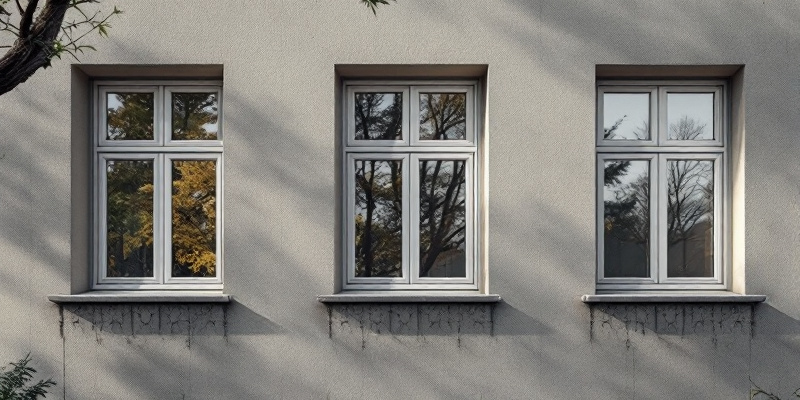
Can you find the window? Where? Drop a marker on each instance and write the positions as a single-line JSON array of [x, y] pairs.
[[661, 179], [411, 156], [157, 185]]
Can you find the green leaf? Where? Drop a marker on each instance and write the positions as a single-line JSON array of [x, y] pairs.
[[13, 382], [373, 4]]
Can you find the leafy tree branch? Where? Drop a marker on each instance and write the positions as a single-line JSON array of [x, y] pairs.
[[373, 4], [40, 34], [14, 382]]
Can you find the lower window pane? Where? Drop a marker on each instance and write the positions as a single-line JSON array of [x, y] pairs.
[[194, 217], [690, 218], [129, 218], [378, 218], [443, 218], [626, 220]]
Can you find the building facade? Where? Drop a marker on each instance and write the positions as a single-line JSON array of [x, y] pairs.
[[451, 199]]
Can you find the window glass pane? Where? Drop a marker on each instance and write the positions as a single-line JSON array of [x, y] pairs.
[[195, 116], [129, 116], [379, 116], [690, 218], [690, 116], [442, 116], [129, 218], [443, 218], [194, 217], [378, 218], [626, 116], [626, 202]]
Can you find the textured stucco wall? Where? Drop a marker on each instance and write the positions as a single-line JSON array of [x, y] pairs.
[[277, 341]]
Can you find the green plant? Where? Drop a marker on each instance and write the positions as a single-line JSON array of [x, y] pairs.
[[373, 4], [13, 383]]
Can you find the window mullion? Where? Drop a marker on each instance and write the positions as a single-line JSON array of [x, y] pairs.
[[164, 209], [657, 218], [662, 130], [160, 119], [410, 214], [410, 186], [163, 216]]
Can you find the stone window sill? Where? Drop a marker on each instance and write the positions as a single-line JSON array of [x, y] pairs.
[[409, 297], [151, 296], [675, 297]]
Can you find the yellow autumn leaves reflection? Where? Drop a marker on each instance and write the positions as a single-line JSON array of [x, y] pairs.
[[130, 218], [189, 218], [194, 217]]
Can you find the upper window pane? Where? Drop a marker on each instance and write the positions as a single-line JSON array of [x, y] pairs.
[[378, 218], [129, 218], [129, 116], [195, 116], [442, 116], [194, 218], [626, 116], [379, 116], [690, 116], [626, 220], [443, 218]]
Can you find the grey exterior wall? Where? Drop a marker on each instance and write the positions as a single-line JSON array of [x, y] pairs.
[[281, 188]]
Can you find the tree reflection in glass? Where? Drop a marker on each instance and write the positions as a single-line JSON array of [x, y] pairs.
[[378, 218], [129, 116], [630, 113], [442, 116], [195, 116], [690, 116], [626, 200], [194, 216], [129, 218], [443, 224], [690, 217], [379, 116]]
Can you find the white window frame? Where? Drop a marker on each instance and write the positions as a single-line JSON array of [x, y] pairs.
[[654, 190], [663, 121], [451, 89], [168, 91], [101, 126], [411, 150], [658, 151], [162, 151], [351, 116], [351, 200], [653, 123]]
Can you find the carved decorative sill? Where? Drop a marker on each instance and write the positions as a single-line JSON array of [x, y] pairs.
[[409, 297], [141, 297], [712, 297]]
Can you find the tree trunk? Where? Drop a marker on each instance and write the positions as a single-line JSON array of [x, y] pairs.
[[34, 49]]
